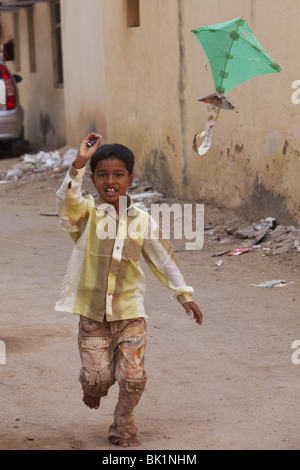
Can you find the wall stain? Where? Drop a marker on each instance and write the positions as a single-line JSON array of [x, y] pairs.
[[264, 203], [156, 171], [46, 125], [181, 90], [285, 147], [239, 148]]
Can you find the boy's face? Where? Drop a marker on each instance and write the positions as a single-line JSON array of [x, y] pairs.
[[111, 180]]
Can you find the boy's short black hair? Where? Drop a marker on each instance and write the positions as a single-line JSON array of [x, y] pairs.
[[109, 151]]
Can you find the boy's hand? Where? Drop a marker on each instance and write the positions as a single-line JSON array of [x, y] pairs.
[[85, 152], [191, 307]]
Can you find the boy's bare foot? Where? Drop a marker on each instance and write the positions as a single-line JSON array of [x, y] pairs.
[[91, 402], [131, 442]]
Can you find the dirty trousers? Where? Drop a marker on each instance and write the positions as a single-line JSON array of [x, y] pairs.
[[114, 351]]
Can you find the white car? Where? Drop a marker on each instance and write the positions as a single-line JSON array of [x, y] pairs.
[[11, 112]]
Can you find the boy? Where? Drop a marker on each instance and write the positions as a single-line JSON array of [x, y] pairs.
[[105, 285]]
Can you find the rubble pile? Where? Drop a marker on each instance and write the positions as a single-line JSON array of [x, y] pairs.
[[41, 162], [143, 194], [265, 234]]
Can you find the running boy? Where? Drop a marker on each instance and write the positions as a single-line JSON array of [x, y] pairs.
[[105, 285]]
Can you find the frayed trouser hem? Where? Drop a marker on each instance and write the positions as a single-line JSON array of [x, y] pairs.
[[124, 426]]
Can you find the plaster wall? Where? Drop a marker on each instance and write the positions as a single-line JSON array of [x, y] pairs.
[[84, 69], [156, 72]]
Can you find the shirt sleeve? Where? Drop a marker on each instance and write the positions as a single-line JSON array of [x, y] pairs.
[[71, 205], [162, 260]]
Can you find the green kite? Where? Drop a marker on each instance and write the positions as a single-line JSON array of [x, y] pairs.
[[235, 55]]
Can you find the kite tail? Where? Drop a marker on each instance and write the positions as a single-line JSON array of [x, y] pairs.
[[212, 117]]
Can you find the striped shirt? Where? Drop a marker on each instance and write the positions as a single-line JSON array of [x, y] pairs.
[[104, 278]]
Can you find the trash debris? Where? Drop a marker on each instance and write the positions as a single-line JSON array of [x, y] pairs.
[[261, 236], [283, 240], [68, 157], [41, 162], [275, 283], [240, 251], [267, 251], [142, 192], [223, 234], [266, 234], [264, 226], [13, 175], [219, 263], [269, 222], [245, 233], [146, 195], [221, 253]]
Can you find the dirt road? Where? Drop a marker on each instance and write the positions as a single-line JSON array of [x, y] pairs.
[[229, 384]]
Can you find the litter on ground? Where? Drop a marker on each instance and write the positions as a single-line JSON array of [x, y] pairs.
[[239, 252], [266, 234], [55, 165], [275, 283]]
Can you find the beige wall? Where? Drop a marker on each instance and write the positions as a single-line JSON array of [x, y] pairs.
[[156, 72], [144, 89], [84, 69], [139, 86], [254, 161], [42, 101]]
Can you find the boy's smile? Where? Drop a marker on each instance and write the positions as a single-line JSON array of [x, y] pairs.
[[111, 180]]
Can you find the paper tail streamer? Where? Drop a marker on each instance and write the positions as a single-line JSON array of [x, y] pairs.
[[213, 114], [215, 102]]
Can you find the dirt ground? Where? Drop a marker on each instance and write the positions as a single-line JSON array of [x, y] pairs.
[[229, 384]]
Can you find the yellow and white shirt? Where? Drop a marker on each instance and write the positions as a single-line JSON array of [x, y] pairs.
[[104, 277]]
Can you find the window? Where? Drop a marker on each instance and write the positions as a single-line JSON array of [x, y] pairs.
[[57, 43], [133, 13]]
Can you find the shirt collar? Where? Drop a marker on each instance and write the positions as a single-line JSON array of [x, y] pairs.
[[103, 206]]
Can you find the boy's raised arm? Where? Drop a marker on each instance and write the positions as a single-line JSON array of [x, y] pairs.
[[72, 213]]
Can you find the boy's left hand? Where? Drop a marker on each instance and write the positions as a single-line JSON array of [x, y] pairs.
[[192, 308]]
